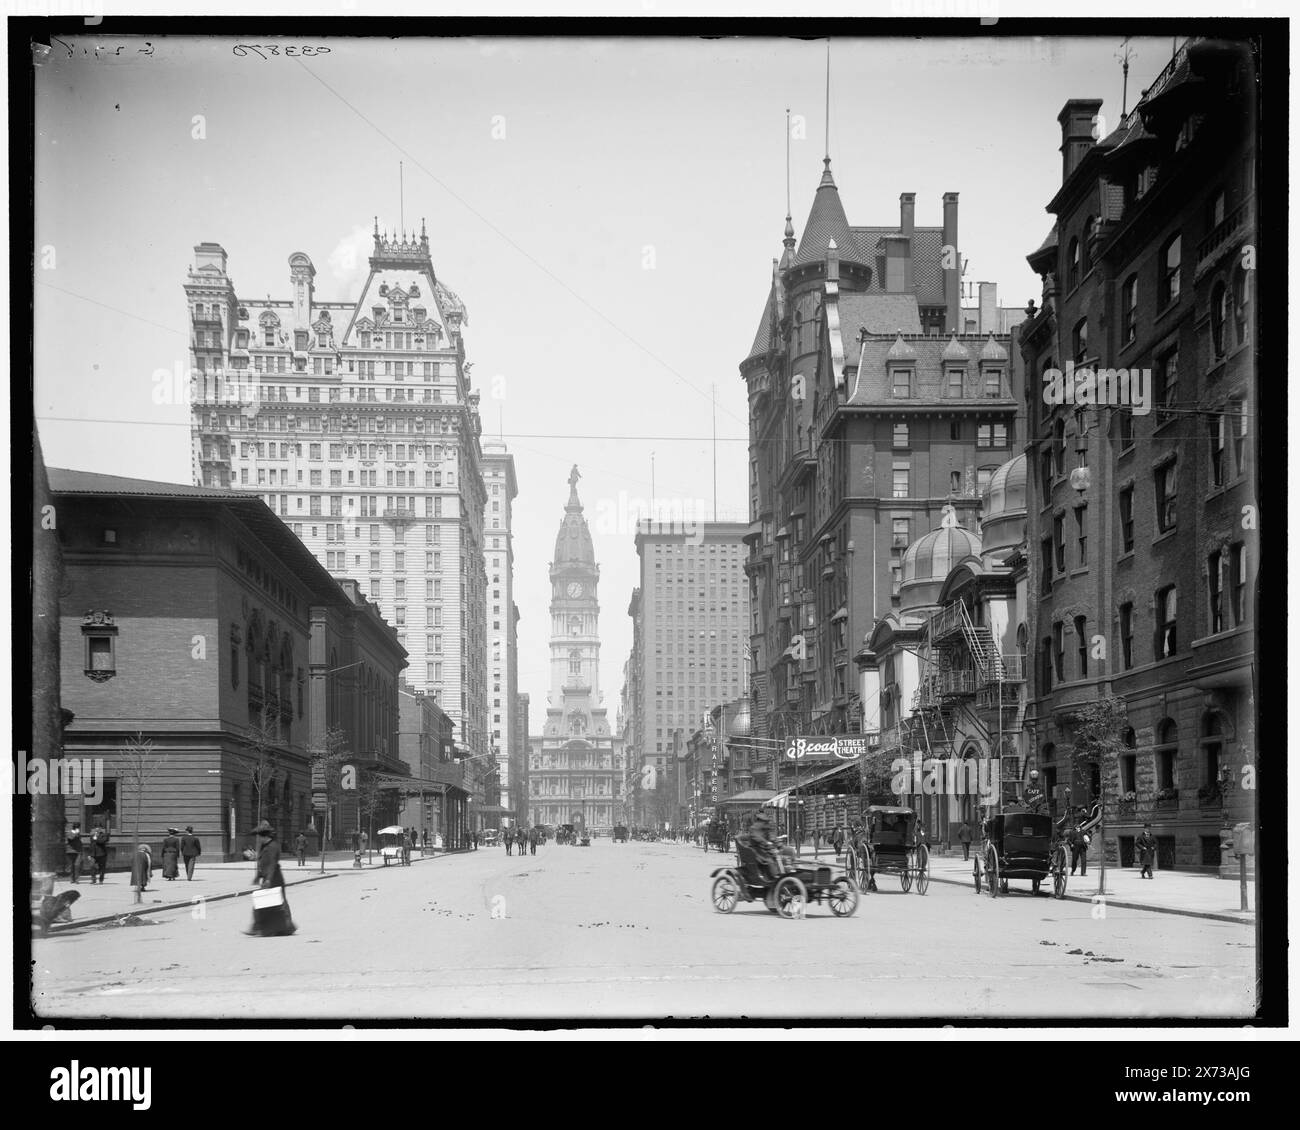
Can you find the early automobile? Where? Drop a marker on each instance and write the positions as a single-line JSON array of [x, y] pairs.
[[785, 885]]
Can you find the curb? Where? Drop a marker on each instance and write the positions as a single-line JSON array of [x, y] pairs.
[[1210, 914], [159, 909]]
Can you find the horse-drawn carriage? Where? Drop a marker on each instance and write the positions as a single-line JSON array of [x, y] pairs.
[[716, 835], [620, 833], [785, 887], [1022, 845], [889, 844]]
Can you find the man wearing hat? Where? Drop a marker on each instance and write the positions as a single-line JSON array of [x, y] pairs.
[[171, 853], [1146, 845], [191, 849], [759, 839]]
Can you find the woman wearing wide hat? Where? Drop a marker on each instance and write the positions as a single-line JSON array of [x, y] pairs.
[[141, 870], [171, 853], [271, 915]]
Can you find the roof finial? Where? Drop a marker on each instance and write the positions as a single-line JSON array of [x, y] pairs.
[[828, 103]]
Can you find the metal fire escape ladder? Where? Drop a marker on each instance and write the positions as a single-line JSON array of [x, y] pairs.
[[983, 649]]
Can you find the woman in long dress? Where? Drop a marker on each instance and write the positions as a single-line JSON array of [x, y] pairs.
[[141, 871], [171, 853], [270, 921]]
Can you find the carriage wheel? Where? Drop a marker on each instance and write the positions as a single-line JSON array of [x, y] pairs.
[[922, 869], [851, 863], [725, 894], [843, 897], [991, 870], [905, 876], [790, 897], [978, 883], [1059, 875]]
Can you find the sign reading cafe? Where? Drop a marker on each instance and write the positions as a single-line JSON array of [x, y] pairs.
[[843, 747]]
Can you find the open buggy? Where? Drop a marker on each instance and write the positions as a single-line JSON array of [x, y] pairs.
[[889, 844], [785, 887], [1021, 845]]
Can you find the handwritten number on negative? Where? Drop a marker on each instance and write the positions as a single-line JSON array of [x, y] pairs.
[[241, 50]]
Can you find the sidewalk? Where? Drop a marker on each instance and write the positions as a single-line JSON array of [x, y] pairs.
[[115, 898], [1170, 892]]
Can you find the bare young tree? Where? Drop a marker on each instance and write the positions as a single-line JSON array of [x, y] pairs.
[[140, 764], [261, 757]]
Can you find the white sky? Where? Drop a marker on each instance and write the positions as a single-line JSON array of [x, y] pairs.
[[613, 248]]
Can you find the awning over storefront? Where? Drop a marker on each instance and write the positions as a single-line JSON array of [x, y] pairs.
[[850, 767], [750, 796], [780, 800]]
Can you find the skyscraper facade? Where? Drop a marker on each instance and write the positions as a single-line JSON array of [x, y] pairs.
[[356, 421]]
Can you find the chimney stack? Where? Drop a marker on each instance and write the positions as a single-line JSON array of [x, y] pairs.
[[1079, 128], [988, 308], [951, 274], [907, 225]]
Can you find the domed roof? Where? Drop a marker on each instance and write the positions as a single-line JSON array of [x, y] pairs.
[[931, 558], [1007, 489]]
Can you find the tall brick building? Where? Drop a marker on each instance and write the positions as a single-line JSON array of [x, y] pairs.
[[357, 422], [690, 622], [1143, 550], [193, 617], [502, 613], [871, 410]]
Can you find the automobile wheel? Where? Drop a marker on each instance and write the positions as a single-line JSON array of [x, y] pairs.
[[725, 894], [790, 897], [842, 897]]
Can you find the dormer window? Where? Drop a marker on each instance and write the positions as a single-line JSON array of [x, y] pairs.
[[300, 340], [955, 381], [901, 381], [992, 383]]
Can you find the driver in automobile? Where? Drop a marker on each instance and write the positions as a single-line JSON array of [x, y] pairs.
[[759, 839]]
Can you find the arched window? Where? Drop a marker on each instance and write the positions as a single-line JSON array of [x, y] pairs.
[[1219, 317], [575, 662], [1241, 304], [1072, 266]]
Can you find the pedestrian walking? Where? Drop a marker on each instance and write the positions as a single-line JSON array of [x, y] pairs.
[[1146, 846], [271, 915], [171, 854], [141, 870], [191, 849], [510, 841], [532, 841], [72, 851], [300, 845], [406, 847], [521, 840], [963, 838], [1079, 841], [99, 838]]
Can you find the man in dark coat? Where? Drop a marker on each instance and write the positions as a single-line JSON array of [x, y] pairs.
[[1146, 846], [171, 853], [1078, 842], [99, 853], [270, 921], [191, 849], [300, 846], [509, 837], [532, 841], [963, 838], [73, 852]]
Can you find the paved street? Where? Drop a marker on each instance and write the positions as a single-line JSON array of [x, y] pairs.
[[627, 930]]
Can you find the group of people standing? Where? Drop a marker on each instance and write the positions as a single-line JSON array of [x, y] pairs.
[[516, 837]]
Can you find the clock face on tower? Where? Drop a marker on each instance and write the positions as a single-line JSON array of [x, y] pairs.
[[574, 590]]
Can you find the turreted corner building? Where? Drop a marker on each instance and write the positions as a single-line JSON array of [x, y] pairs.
[[875, 403]]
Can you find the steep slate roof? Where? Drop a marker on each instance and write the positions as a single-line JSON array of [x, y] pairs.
[[826, 221], [877, 314], [926, 352], [955, 351], [763, 338]]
